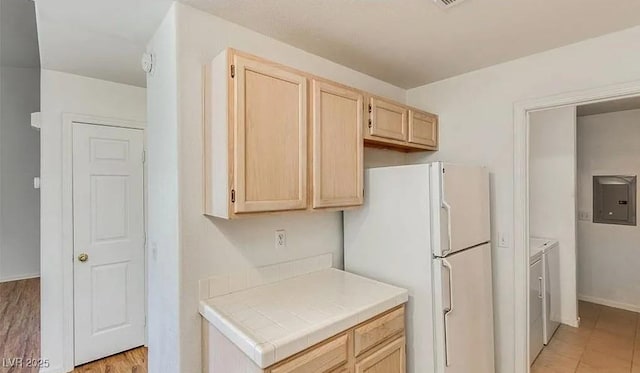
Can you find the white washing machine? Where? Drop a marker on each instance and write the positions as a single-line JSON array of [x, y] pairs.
[[536, 296], [550, 283], [551, 300]]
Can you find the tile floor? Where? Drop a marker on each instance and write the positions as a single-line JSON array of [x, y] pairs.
[[608, 341]]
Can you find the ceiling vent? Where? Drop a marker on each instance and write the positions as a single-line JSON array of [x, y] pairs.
[[447, 3]]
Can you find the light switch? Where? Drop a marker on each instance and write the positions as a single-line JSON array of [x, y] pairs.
[[584, 215]]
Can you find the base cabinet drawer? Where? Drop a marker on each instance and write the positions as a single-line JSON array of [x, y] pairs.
[[390, 358], [376, 331], [321, 359]]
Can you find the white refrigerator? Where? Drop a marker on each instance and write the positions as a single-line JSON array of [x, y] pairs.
[[426, 228]]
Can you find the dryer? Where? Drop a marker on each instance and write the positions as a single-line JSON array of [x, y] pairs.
[[549, 248], [536, 306]]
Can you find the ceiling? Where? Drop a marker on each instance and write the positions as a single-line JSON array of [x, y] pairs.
[[104, 39], [18, 34], [405, 42], [631, 103], [413, 42]]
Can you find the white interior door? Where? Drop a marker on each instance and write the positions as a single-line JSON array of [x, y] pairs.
[[464, 325], [465, 207], [108, 221]]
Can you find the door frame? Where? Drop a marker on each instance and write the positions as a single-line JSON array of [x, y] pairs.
[[68, 119], [521, 110]]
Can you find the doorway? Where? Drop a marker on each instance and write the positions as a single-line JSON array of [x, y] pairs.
[[589, 313], [108, 241]]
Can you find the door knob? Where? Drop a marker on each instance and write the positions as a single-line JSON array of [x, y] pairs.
[[83, 257]]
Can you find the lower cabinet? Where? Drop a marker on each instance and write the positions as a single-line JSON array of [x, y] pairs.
[[389, 358], [375, 346]]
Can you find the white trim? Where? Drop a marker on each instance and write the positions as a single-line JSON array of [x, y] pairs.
[[20, 277], [610, 303], [68, 360], [56, 369], [521, 112]]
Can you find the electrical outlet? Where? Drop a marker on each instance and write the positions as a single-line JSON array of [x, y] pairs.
[[281, 239], [503, 241], [154, 251]]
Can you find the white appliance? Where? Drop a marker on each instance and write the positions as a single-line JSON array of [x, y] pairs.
[[426, 228], [536, 295], [551, 284]]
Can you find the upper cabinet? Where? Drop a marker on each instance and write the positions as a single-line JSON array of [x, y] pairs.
[[423, 129], [270, 144], [337, 145], [278, 139], [400, 127], [387, 120]]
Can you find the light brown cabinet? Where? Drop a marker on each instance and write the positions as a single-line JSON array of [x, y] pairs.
[[423, 129], [337, 145], [278, 139], [270, 143], [387, 359], [375, 346], [397, 126], [387, 120]]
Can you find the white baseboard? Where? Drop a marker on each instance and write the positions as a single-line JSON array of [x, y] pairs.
[[571, 322], [56, 369], [19, 277], [610, 303]]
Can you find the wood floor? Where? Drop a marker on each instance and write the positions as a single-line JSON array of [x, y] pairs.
[[608, 341], [20, 334]]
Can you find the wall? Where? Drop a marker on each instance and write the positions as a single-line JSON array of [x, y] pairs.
[[608, 255], [163, 229], [66, 93], [19, 164], [476, 115], [552, 194], [19, 142], [206, 246]]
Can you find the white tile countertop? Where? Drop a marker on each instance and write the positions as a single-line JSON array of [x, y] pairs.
[[272, 322]]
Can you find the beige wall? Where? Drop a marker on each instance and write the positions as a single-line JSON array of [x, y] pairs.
[[67, 93], [476, 116], [187, 242], [608, 255]]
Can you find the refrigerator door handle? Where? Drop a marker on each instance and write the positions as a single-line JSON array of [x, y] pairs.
[[447, 208], [447, 311], [540, 295]]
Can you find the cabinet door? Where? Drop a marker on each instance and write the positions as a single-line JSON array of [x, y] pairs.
[[337, 146], [389, 358], [387, 120], [423, 129], [270, 137]]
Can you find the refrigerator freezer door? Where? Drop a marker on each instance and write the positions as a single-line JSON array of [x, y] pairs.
[[462, 219], [463, 316]]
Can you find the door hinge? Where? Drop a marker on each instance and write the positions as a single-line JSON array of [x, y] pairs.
[[233, 71], [370, 123], [233, 196], [369, 108], [144, 156]]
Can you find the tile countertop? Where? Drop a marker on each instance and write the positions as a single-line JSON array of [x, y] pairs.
[[272, 322]]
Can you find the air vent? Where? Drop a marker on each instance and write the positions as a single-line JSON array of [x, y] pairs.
[[447, 3]]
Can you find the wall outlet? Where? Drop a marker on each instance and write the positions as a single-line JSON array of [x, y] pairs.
[[281, 239], [584, 215], [503, 240], [154, 251]]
